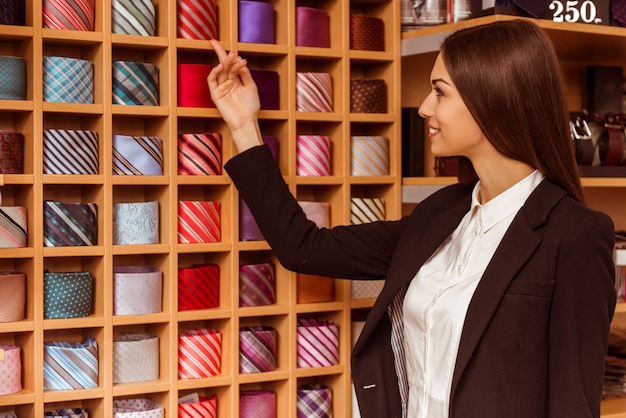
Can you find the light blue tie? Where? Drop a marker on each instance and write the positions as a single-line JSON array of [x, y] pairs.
[[135, 83], [136, 223], [69, 366], [67, 80], [12, 78], [137, 155], [70, 151]]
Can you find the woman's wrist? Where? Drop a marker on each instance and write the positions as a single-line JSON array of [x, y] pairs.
[[247, 136]]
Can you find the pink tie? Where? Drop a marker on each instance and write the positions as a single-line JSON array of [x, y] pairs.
[[313, 155], [199, 353], [198, 222], [10, 369], [314, 92], [317, 343], [197, 19], [200, 154]]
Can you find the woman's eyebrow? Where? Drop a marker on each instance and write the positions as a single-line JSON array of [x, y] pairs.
[[437, 80]]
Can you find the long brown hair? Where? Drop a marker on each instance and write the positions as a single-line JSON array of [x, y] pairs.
[[509, 77]]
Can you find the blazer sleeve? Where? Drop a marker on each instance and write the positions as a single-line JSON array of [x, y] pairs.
[[352, 252]]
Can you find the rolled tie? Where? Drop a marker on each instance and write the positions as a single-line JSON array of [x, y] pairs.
[[367, 33], [314, 92], [198, 287], [70, 151], [314, 401], [257, 404], [13, 13], [13, 227], [7, 414], [12, 78], [199, 353], [68, 14], [312, 27], [137, 290], [257, 285], [67, 413], [137, 155], [133, 17], [368, 95], [10, 369], [135, 83], [137, 408], [317, 343], [200, 154], [198, 222], [313, 155], [135, 358], [196, 19], [201, 408], [257, 349], [69, 365], [268, 86], [67, 80], [12, 296], [256, 22], [193, 90], [67, 295], [69, 224], [11, 152], [136, 223], [369, 156]]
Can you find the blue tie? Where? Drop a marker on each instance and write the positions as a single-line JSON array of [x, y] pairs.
[[67, 80], [137, 155], [12, 78], [135, 83]]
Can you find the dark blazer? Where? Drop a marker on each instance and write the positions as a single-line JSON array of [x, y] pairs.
[[536, 332]]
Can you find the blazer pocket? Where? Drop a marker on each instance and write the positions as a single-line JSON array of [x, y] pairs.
[[531, 288]]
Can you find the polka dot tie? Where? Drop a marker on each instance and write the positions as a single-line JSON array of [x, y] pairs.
[[137, 408], [12, 78], [68, 295]]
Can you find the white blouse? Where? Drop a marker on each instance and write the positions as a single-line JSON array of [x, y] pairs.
[[437, 299]]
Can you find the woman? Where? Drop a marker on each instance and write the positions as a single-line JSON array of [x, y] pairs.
[[499, 290]]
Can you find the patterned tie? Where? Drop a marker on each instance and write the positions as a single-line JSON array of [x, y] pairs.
[[137, 408], [135, 358], [312, 27], [137, 283], [135, 83], [137, 155], [193, 90], [198, 287], [70, 151], [69, 224], [314, 401], [69, 366], [257, 404], [11, 152], [196, 19], [200, 154], [366, 210], [198, 222], [10, 369], [133, 17], [13, 12], [257, 285], [12, 296], [317, 343], [256, 22], [136, 223], [313, 155], [368, 95], [314, 92], [13, 227], [69, 14], [67, 295], [367, 33], [257, 349], [67, 413], [199, 353], [12, 78], [7, 414], [202, 408], [369, 156], [67, 80]]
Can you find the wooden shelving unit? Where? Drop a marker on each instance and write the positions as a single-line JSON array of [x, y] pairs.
[[32, 116]]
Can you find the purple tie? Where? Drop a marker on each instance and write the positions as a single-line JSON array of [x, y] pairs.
[[267, 83], [257, 284], [256, 22], [257, 349], [313, 27], [314, 401]]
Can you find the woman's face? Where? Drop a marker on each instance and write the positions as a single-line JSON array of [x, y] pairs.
[[451, 128]]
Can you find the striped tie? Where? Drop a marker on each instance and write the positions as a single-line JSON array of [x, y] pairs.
[[198, 222], [257, 285], [198, 287], [67, 80], [317, 343], [314, 401], [199, 353], [133, 17], [70, 151], [137, 155], [135, 83], [313, 155], [204, 408], [200, 154], [67, 413], [369, 156], [68, 14], [70, 366], [13, 227], [69, 224], [314, 92], [257, 349], [364, 210], [197, 19]]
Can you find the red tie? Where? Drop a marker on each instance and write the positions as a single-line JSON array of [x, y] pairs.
[[197, 19], [198, 222], [198, 287]]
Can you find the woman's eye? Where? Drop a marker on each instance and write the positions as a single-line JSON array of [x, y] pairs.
[[438, 91]]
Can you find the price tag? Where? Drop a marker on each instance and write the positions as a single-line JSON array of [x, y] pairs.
[[1, 354], [580, 11]]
